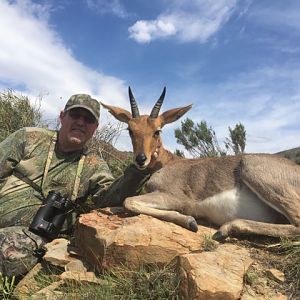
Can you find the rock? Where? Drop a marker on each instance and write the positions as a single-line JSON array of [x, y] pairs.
[[105, 239], [276, 275], [75, 266], [57, 254], [278, 296], [88, 277], [50, 293], [214, 275], [27, 285]]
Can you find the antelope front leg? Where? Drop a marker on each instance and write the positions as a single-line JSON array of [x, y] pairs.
[[241, 226], [162, 206]]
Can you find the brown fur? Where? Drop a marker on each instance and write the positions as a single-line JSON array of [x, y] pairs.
[[182, 189]]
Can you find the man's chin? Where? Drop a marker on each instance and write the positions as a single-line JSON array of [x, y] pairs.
[[76, 142]]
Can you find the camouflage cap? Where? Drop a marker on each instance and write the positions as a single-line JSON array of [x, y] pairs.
[[84, 101]]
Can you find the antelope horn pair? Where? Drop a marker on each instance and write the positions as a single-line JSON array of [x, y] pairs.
[[155, 110]]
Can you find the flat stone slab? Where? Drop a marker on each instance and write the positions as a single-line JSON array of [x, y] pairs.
[[105, 239]]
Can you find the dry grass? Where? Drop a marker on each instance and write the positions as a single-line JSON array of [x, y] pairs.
[[289, 251], [208, 243], [267, 253], [6, 286], [148, 282], [17, 111]]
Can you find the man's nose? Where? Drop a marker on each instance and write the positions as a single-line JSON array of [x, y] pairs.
[[80, 120]]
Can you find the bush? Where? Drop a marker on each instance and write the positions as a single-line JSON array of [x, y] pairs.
[[297, 158], [16, 112], [102, 144], [200, 140]]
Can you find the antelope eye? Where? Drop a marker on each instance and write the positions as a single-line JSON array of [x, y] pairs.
[[157, 133]]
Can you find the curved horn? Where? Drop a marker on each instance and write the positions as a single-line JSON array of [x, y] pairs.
[[134, 108], [158, 104]]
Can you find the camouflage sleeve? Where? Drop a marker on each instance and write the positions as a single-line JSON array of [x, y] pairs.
[[100, 181], [125, 186], [11, 152]]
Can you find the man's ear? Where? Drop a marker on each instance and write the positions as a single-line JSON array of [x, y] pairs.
[[119, 113], [173, 115], [61, 115]]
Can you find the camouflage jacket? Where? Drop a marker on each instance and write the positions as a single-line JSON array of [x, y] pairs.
[[26, 152]]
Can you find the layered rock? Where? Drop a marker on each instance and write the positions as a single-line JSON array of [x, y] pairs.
[[216, 275], [105, 239]]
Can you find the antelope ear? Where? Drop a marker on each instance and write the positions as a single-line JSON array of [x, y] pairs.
[[119, 113], [173, 115]]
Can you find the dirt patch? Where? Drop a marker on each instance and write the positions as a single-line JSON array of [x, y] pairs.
[[258, 282]]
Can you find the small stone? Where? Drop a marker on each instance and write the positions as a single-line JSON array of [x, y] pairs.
[[75, 266], [58, 254], [276, 275], [89, 277]]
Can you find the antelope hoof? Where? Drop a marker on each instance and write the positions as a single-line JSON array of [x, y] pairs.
[[192, 225], [219, 236]]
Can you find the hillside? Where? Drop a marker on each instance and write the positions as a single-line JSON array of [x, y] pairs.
[[293, 154]]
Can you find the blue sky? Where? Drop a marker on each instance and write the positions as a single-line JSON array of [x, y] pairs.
[[236, 61]]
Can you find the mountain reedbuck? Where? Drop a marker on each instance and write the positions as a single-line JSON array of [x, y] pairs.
[[243, 194]]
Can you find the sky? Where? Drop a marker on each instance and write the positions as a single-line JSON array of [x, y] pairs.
[[235, 61]]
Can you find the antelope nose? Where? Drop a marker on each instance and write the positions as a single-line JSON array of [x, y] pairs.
[[140, 159]]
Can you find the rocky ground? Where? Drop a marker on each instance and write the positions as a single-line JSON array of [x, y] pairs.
[[237, 269]]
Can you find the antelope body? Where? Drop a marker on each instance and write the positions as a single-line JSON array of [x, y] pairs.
[[243, 194]]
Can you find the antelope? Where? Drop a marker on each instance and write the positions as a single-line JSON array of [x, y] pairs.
[[242, 194]]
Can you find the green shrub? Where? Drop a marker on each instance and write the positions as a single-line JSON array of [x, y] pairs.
[[16, 112], [297, 158], [147, 282], [7, 286], [117, 167]]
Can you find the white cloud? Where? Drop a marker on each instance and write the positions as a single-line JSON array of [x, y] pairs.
[[102, 7], [34, 57], [193, 20], [266, 100], [145, 31]]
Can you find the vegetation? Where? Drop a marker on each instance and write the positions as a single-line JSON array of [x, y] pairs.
[[103, 143], [293, 154], [17, 111], [147, 282], [200, 140], [290, 249], [104, 139], [179, 153], [251, 277], [237, 139], [208, 243], [297, 159], [7, 286]]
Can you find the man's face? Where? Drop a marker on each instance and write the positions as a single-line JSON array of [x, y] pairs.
[[77, 127]]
